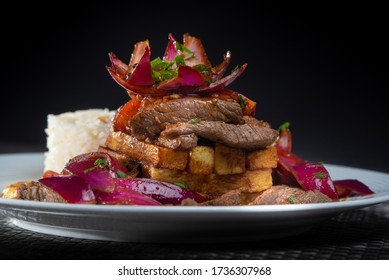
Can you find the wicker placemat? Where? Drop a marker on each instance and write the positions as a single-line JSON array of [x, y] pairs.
[[360, 234]]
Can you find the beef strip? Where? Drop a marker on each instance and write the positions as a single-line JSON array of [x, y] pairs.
[[254, 134], [183, 142], [154, 118], [283, 194], [32, 190], [232, 197]]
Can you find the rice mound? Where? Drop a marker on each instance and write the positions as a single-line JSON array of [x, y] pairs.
[[72, 133]]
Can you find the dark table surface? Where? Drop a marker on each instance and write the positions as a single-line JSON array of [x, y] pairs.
[[357, 234]]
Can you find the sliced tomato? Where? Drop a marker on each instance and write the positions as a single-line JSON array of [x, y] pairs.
[[125, 113], [49, 173], [249, 106], [284, 142]]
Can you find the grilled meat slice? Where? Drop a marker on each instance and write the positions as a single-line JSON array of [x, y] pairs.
[[252, 135], [153, 119], [32, 190], [283, 194]]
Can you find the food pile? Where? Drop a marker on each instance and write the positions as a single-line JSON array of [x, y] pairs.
[[183, 138]]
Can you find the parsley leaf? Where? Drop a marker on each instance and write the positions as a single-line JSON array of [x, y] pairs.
[[292, 199], [181, 184], [285, 125], [242, 101], [194, 121], [121, 174], [101, 162], [320, 175]]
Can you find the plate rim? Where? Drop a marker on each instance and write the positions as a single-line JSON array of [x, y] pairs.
[[77, 208]]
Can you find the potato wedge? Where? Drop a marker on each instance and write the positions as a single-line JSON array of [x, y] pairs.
[[264, 158], [145, 153], [229, 160], [201, 160]]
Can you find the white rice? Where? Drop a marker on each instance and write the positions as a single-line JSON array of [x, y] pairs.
[[72, 133]]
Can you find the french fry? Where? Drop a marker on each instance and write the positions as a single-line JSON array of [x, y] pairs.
[[145, 153], [229, 160], [264, 158], [213, 184], [201, 160]]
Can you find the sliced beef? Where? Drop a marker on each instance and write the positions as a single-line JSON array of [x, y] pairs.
[[229, 198], [32, 190], [183, 142], [254, 134], [154, 118], [283, 194]]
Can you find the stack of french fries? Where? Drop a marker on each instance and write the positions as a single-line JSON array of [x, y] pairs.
[[211, 170]]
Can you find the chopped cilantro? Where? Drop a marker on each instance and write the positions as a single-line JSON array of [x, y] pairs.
[[292, 199], [179, 60], [180, 184], [320, 175], [202, 67], [89, 169], [101, 162], [285, 125], [242, 101], [121, 174], [194, 121], [184, 49]]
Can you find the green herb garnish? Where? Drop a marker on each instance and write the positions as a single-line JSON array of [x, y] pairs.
[[100, 162], [292, 199], [181, 184], [121, 174], [202, 67], [194, 121], [285, 125], [184, 49], [89, 169], [242, 101], [180, 60], [320, 175], [162, 70]]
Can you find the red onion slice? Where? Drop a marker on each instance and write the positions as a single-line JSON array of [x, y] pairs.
[[71, 188], [119, 66], [219, 70], [222, 83], [353, 185], [124, 196], [98, 175], [171, 50], [163, 192], [141, 90], [314, 176], [190, 77], [142, 74]]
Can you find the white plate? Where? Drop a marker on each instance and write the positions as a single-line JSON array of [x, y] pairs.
[[173, 223]]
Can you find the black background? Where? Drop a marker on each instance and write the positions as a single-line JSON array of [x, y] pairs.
[[321, 67]]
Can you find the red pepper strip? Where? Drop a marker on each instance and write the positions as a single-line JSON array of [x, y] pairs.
[[284, 142], [125, 113]]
